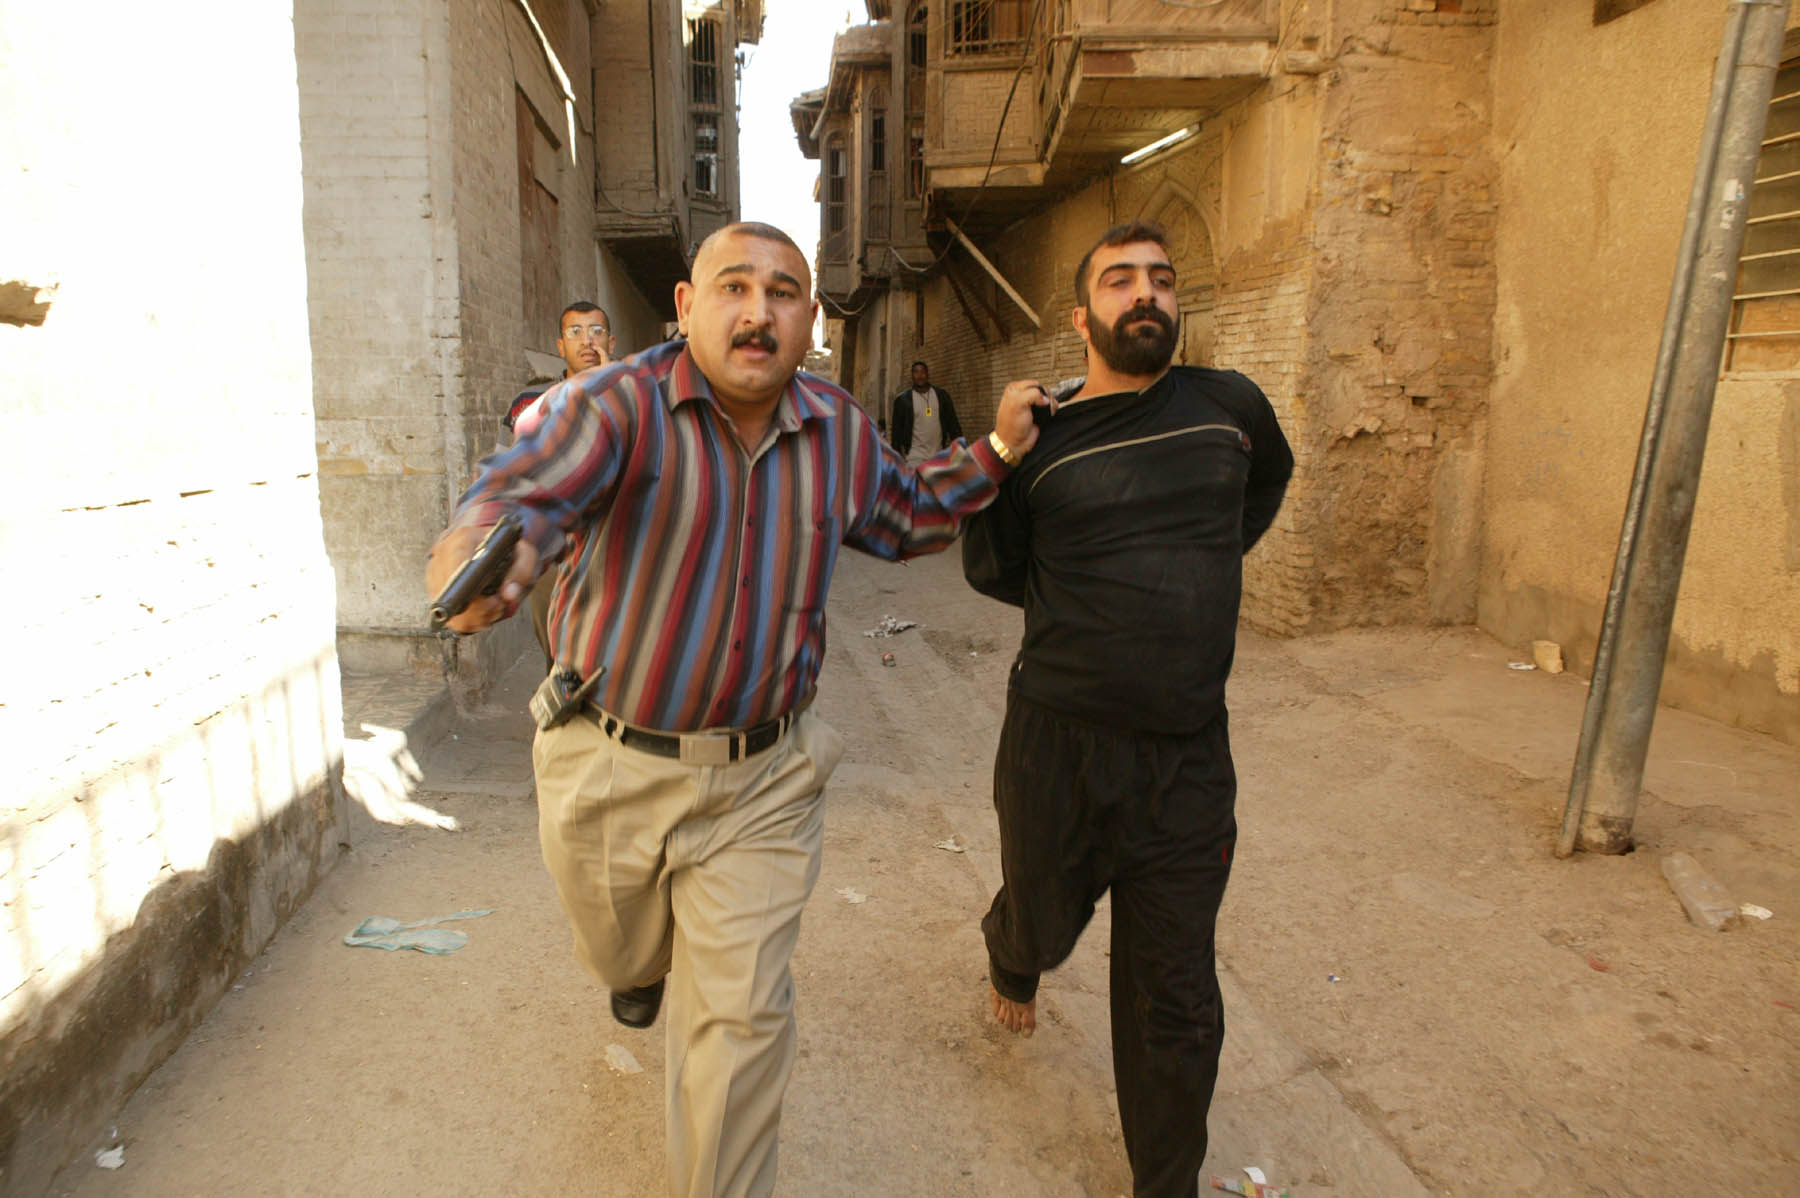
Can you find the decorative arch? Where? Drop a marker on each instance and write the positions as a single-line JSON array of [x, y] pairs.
[[1173, 206]]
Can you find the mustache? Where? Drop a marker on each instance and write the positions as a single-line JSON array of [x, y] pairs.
[[1147, 312], [761, 338]]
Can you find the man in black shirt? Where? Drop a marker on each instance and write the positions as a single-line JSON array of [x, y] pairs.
[[1122, 536]]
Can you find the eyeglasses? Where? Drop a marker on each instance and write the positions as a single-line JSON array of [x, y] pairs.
[[592, 332]]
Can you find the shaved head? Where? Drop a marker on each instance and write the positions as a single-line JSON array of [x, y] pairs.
[[748, 228], [747, 312]]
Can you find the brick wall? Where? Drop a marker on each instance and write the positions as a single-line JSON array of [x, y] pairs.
[[1244, 313], [1402, 314], [624, 78], [172, 700], [367, 137], [409, 127]]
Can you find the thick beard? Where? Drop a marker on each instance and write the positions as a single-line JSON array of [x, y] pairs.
[[1134, 352]]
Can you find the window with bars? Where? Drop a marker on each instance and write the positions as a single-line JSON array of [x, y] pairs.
[[837, 185], [878, 196], [703, 93], [1765, 310], [703, 61], [915, 160], [706, 154], [985, 26]]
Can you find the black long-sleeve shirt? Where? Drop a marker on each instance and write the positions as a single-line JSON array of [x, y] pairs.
[[1122, 535]]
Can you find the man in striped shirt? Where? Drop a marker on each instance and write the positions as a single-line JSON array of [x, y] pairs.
[[697, 494]]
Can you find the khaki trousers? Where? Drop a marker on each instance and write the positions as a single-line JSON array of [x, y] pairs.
[[698, 873]]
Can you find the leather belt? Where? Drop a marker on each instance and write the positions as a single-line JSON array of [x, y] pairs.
[[720, 747]]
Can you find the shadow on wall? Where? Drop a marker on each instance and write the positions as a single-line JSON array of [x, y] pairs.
[[95, 1001]]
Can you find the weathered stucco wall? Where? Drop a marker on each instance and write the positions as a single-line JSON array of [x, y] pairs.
[[1334, 237], [1234, 202], [1593, 196], [171, 701], [1401, 312]]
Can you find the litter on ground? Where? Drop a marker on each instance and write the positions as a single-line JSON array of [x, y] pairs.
[[381, 932]]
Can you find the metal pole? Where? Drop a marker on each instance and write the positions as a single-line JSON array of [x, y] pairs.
[[1640, 603]]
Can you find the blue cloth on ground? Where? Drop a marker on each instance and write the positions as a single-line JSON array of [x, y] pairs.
[[381, 932]]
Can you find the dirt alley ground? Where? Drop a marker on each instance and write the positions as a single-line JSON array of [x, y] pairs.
[[1420, 998]]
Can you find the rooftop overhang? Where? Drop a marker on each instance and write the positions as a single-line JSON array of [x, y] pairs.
[[1120, 96], [749, 21], [1116, 95], [844, 288], [654, 253], [804, 110], [856, 49]]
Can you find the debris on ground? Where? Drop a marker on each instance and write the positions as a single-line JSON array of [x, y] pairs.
[[111, 1158], [887, 659], [620, 1059], [950, 846], [889, 626], [1754, 911], [1548, 656], [1520, 665], [381, 932], [851, 894], [1709, 907], [1250, 1189]]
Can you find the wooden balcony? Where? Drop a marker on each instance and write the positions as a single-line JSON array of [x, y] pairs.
[[1106, 77]]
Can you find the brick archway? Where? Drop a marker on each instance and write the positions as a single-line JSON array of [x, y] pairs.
[[1196, 266]]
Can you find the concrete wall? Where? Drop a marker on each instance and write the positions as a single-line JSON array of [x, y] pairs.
[[1592, 199], [410, 113], [382, 264], [635, 324], [173, 719]]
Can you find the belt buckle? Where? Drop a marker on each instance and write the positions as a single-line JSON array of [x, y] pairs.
[[706, 750]]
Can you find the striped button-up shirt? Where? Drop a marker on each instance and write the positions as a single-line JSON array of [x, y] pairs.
[[695, 572]]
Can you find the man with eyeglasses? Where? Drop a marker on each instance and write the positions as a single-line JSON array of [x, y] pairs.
[[585, 340]]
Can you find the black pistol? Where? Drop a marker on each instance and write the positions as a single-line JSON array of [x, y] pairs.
[[482, 574]]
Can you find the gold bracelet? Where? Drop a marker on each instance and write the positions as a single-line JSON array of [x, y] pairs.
[[1000, 448]]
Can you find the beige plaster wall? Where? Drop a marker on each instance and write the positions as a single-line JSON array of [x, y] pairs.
[[1596, 132], [1400, 313]]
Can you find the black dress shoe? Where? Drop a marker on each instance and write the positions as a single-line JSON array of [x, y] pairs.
[[637, 1007]]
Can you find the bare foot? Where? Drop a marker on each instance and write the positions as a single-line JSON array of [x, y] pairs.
[[1020, 1017]]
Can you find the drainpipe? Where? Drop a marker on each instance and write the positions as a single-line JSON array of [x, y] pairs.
[[1640, 603]]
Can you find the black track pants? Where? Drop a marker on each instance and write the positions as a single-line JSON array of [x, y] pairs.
[[1082, 809]]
